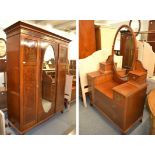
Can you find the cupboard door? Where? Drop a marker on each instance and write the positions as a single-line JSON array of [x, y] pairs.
[[29, 83], [61, 77]]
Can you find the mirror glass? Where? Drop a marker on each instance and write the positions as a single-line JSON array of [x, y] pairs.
[[123, 51], [48, 79], [135, 25], [2, 48]]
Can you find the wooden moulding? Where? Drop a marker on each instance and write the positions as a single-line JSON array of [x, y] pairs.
[[25, 28]]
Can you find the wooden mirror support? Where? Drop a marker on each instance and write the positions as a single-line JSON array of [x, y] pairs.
[[120, 101]]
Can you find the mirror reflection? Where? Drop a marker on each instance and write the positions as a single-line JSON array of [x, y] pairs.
[[48, 79], [123, 52]]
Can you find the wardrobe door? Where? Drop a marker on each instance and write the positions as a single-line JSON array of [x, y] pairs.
[[62, 64], [29, 83], [47, 78]]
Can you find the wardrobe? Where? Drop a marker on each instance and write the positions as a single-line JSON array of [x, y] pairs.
[[36, 71]]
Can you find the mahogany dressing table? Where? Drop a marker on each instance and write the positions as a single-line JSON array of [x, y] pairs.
[[119, 94]]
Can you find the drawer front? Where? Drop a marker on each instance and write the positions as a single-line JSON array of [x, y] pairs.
[[114, 111]]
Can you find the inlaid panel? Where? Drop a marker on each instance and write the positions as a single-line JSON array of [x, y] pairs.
[[29, 103], [29, 73], [63, 54], [30, 50], [29, 94]]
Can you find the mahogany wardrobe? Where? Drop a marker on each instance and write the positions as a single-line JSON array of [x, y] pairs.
[[36, 70]]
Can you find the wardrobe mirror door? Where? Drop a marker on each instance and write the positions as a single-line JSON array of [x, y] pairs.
[[48, 79]]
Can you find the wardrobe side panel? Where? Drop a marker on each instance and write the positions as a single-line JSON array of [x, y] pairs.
[[13, 47]]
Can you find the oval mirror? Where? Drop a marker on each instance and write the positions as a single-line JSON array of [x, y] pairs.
[[48, 79], [124, 51]]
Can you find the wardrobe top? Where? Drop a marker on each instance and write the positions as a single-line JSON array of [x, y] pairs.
[[25, 26]]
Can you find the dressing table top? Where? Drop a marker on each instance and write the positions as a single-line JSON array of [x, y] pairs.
[[128, 88]]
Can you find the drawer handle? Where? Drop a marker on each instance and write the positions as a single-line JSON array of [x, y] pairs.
[[134, 77], [118, 98], [24, 62]]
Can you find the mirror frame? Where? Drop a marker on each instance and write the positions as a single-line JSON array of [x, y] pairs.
[[138, 28], [135, 55]]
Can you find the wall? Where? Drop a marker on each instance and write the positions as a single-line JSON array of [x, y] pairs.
[[73, 49], [107, 38], [107, 32]]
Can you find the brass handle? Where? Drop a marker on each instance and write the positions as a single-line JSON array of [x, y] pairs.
[[134, 77], [118, 98]]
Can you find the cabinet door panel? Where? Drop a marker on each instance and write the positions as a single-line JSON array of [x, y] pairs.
[[29, 79], [62, 60]]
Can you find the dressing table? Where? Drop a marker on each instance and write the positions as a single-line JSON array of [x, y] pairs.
[[119, 93]]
